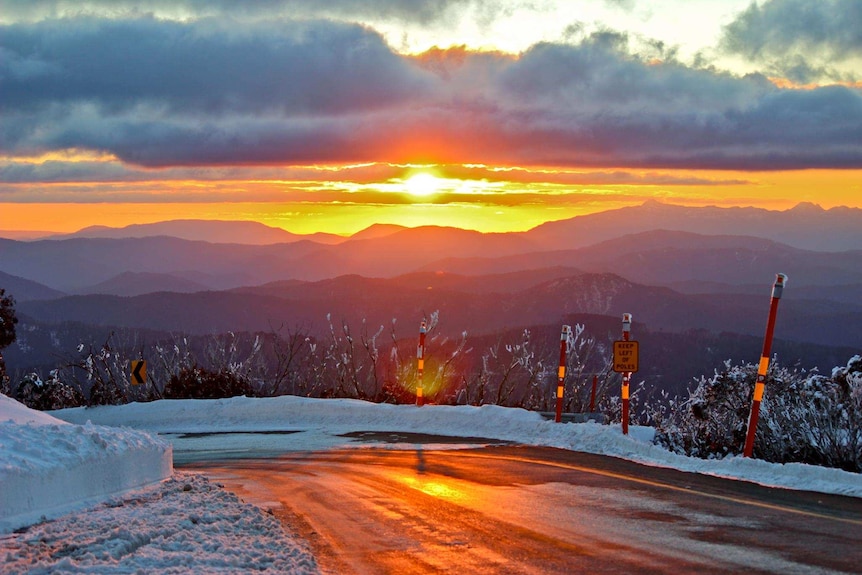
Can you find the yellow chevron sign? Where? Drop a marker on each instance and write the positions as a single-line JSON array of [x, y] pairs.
[[139, 372]]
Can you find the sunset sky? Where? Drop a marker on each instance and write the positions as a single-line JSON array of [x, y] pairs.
[[483, 114]]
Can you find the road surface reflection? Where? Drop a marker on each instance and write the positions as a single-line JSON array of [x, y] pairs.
[[536, 510]]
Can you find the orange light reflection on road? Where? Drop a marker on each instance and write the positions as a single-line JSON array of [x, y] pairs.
[[433, 488]]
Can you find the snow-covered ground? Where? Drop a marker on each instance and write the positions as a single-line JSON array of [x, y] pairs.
[[186, 517]]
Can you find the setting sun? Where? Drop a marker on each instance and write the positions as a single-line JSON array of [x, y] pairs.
[[423, 185]]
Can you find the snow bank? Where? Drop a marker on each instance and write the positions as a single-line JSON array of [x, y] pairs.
[[12, 411], [49, 467], [183, 525], [316, 418]]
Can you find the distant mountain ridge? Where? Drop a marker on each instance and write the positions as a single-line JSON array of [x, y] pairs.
[[374, 302], [805, 226], [377, 231], [76, 264], [664, 258], [140, 283], [25, 290], [25, 234], [657, 257], [213, 231]]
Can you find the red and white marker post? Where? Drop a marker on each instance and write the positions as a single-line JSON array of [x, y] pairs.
[[420, 364], [763, 368], [561, 374], [627, 375]]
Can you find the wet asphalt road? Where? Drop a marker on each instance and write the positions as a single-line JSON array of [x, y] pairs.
[[518, 509]]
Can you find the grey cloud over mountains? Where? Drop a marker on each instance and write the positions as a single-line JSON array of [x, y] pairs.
[[214, 92], [803, 40]]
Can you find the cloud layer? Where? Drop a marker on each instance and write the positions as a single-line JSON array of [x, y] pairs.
[[219, 92], [803, 40]]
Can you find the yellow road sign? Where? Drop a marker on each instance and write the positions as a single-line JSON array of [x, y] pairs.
[[139, 372], [625, 356]]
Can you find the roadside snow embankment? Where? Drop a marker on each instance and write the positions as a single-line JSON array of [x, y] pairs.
[[49, 467], [326, 423]]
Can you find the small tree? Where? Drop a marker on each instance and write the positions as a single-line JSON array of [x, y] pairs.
[[289, 351], [586, 356], [105, 372], [508, 367]]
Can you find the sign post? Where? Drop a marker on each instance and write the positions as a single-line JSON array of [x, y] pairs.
[[561, 373], [420, 360], [763, 367], [626, 362]]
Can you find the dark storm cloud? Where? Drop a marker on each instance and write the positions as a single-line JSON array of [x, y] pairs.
[[800, 39], [201, 69], [416, 11], [158, 94]]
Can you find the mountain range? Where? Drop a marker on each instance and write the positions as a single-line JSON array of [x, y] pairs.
[[663, 255], [805, 226], [464, 306], [238, 232], [631, 260]]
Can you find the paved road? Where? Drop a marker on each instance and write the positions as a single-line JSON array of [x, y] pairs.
[[515, 509]]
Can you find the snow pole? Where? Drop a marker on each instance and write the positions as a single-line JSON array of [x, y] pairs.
[[561, 374], [420, 360], [593, 394], [627, 375], [763, 368]]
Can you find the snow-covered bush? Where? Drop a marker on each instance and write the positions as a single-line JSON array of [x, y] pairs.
[[804, 417], [201, 383], [49, 394], [815, 419], [712, 423]]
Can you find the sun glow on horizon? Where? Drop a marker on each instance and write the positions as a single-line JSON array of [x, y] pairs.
[[423, 184], [346, 199]]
